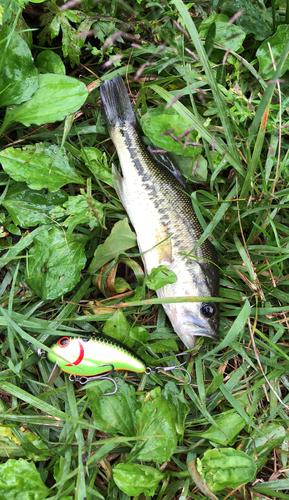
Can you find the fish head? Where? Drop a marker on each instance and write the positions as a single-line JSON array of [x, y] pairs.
[[194, 319]]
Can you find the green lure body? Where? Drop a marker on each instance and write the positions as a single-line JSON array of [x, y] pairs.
[[85, 356]]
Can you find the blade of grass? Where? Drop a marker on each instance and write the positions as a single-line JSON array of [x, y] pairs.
[[187, 20], [266, 99], [235, 329], [80, 491], [220, 146]]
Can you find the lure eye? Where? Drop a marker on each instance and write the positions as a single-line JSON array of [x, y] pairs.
[[208, 309], [63, 342], [84, 339]]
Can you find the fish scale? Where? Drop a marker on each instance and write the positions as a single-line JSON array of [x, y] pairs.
[[160, 209]]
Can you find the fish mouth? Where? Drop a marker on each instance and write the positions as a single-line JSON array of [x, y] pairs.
[[189, 338], [206, 333], [197, 329]]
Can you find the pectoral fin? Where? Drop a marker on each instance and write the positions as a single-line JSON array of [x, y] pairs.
[[118, 183], [164, 249]]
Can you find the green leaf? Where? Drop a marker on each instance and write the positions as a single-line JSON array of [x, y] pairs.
[[156, 422], [178, 407], [230, 422], [113, 414], [134, 479], [158, 121], [230, 36], [118, 327], [20, 479], [269, 488], [255, 17], [259, 446], [9, 7], [210, 39], [33, 447], [97, 164], [164, 345], [160, 276], [41, 166], [193, 168], [192, 30], [56, 97], [19, 77], [278, 43], [140, 334], [71, 42], [54, 263], [49, 62], [28, 207], [226, 468], [80, 209], [10, 446], [120, 239]]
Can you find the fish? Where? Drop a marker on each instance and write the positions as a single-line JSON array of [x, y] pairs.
[[159, 207]]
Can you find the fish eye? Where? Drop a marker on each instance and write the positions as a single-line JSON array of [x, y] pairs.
[[84, 339], [208, 309], [63, 342]]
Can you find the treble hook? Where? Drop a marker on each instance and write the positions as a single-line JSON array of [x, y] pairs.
[[151, 370], [85, 380]]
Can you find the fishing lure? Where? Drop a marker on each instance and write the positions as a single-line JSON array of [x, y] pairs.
[[96, 358]]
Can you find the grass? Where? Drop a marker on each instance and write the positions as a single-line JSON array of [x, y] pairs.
[[76, 442]]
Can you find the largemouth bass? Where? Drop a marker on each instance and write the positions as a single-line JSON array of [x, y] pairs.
[[166, 225]]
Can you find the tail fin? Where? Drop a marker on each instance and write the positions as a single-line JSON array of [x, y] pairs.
[[117, 107]]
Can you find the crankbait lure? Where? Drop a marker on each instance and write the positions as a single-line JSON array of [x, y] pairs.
[[96, 358]]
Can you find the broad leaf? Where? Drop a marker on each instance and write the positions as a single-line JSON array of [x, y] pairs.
[[97, 164], [230, 36], [277, 43], [71, 41], [54, 263], [113, 414], [41, 166], [134, 479], [255, 17], [140, 334], [178, 407], [120, 239], [10, 7], [259, 446], [162, 346], [19, 477], [192, 168], [28, 207], [56, 97], [49, 62], [230, 422], [159, 277], [19, 77], [163, 127], [81, 209], [226, 468], [118, 327], [155, 421], [9, 445]]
